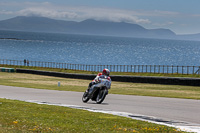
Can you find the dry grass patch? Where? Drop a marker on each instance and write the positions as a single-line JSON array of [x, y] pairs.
[[63, 83]]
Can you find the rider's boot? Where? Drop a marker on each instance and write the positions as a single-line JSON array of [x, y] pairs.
[[89, 86], [88, 89]]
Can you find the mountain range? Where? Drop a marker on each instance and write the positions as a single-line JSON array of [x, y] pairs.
[[89, 27]]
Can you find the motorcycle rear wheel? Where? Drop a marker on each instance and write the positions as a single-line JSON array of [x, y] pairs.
[[101, 96], [85, 97]]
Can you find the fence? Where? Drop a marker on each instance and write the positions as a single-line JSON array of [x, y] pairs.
[[160, 69]]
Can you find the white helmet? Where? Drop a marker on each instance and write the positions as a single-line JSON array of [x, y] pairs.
[[106, 72]]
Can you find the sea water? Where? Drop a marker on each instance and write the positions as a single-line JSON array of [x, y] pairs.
[[97, 50]]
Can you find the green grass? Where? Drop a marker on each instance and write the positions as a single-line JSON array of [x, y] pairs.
[[47, 82], [112, 73], [17, 116]]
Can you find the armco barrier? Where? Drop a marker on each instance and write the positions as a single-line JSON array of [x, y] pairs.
[[134, 79], [158, 80], [57, 74], [4, 69]]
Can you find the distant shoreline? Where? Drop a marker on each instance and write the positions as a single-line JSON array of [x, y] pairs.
[[11, 39]]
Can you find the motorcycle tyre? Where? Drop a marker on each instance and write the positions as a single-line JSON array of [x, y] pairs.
[[102, 98], [85, 98]]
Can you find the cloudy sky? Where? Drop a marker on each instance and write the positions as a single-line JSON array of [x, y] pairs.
[[181, 16]]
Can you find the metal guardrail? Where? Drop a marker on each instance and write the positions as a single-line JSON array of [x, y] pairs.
[[159, 69]]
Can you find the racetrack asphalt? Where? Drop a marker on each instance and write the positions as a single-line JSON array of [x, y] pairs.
[[185, 111]]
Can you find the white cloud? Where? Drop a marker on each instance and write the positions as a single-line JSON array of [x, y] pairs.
[[46, 13], [111, 15], [64, 12], [4, 12], [163, 24], [80, 13]]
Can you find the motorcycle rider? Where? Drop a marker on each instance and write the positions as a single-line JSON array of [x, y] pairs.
[[105, 74]]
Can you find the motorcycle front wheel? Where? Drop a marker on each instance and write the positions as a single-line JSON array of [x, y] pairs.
[[85, 97], [101, 96]]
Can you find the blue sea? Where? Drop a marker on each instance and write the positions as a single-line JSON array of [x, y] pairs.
[[97, 50]]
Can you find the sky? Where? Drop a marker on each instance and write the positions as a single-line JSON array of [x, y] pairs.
[[180, 16]]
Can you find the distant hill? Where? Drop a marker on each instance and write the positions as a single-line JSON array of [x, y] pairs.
[[87, 27], [40, 24]]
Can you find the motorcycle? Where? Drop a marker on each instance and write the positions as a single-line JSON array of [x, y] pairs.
[[97, 91]]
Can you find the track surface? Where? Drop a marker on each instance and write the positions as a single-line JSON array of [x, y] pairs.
[[165, 108]]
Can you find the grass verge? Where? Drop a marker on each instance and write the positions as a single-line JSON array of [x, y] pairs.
[[17, 116], [47, 82]]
